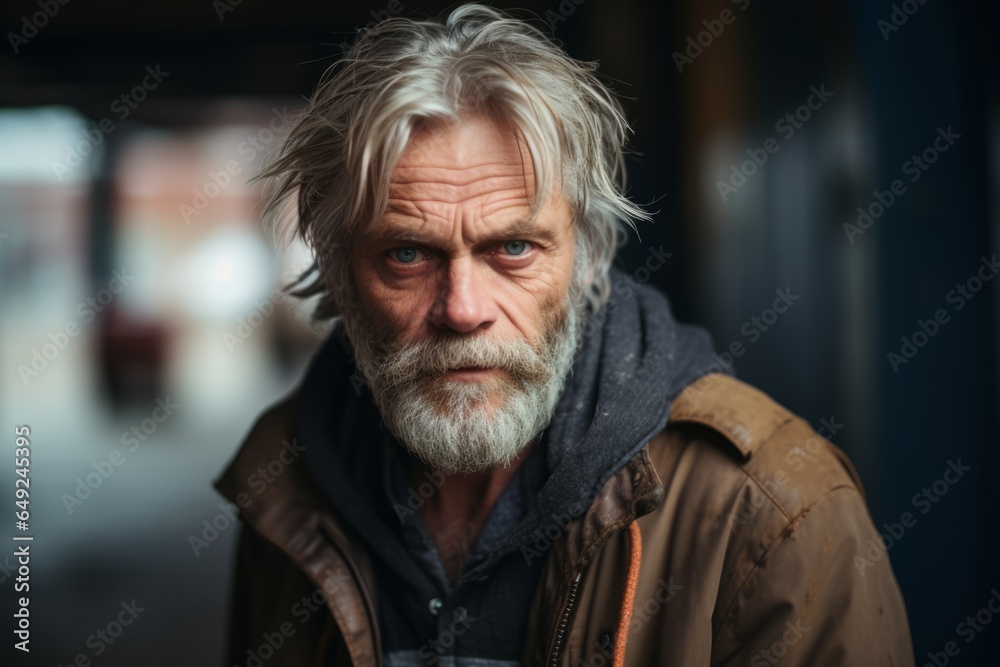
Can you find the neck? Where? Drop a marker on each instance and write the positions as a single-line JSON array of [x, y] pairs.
[[454, 515]]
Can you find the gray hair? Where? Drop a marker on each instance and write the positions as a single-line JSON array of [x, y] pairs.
[[329, 180]]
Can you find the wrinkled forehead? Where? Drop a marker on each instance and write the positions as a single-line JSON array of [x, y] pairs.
[[463, 151]]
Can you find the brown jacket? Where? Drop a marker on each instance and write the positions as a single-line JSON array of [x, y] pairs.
[[737, 536]]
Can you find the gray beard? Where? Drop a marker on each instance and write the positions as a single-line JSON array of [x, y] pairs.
[[463, 427]]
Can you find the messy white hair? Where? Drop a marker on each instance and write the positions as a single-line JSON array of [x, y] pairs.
[[329, 180]]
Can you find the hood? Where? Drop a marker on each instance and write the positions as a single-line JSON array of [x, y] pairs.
[[633, 359]]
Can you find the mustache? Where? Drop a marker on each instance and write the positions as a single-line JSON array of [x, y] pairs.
[[417, 362]]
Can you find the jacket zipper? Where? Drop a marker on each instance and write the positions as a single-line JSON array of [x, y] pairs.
[[564, 621], [571, 599]]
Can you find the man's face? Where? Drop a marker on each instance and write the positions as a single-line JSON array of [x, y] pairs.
[[466, 318]]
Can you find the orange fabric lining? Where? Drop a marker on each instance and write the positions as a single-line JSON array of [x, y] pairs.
[[628, 598]]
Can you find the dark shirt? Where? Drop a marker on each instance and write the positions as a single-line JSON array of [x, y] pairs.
[[416, 631]]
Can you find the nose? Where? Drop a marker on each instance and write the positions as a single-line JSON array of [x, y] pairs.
[[464, 302]]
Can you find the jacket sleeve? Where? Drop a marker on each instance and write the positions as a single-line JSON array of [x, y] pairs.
[[823, 594], [273, 603]]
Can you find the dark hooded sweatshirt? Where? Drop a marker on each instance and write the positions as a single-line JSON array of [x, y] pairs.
[[634, 358]]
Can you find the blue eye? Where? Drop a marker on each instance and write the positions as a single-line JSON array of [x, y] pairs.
[[515, 247], [404, 255]]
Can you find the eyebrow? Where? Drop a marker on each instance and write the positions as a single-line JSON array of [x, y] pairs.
[[387, 231]]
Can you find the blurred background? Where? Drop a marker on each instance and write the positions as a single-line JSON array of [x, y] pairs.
[[846, 153]]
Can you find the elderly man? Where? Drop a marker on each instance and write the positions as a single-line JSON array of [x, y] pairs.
[[511, 453]]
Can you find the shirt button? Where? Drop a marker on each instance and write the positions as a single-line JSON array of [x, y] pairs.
[[434, 606]]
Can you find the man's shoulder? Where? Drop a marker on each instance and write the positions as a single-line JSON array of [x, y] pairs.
[[728, 435], [270, 438], [775, 518]]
